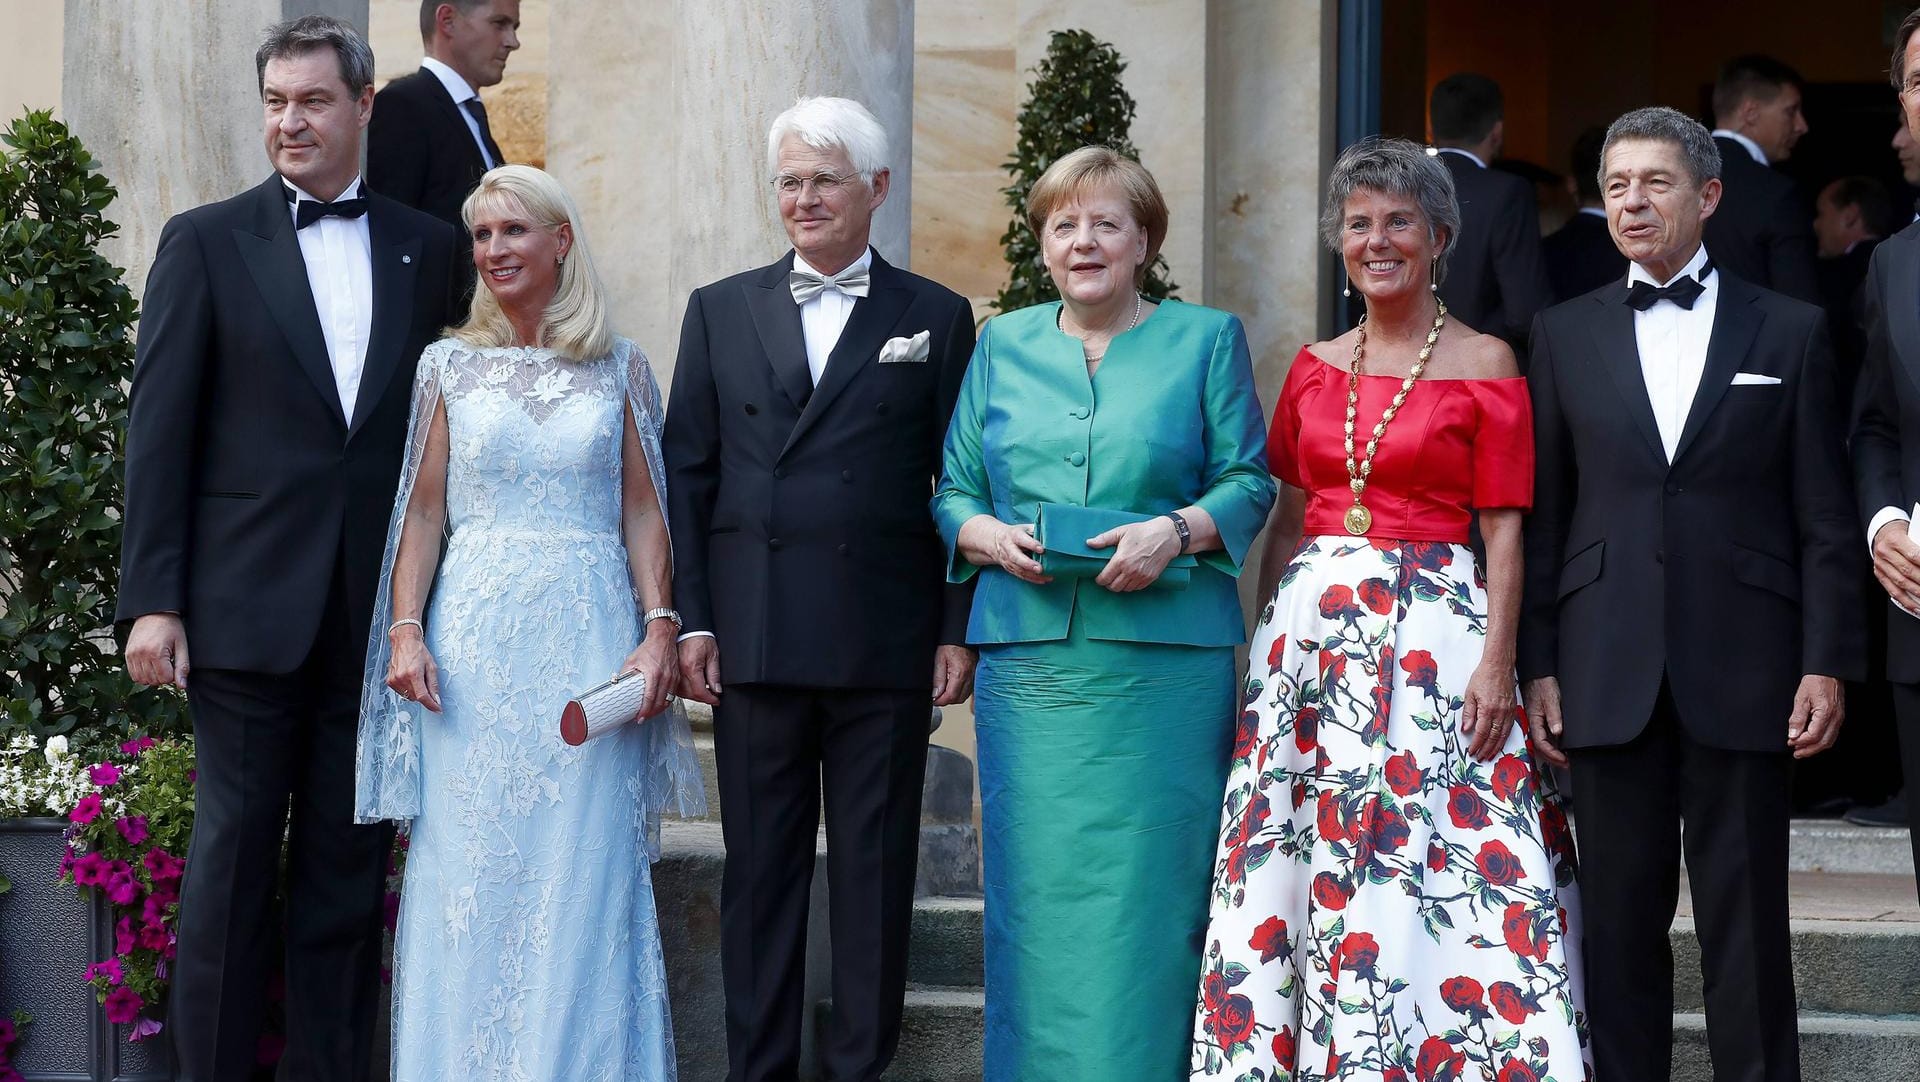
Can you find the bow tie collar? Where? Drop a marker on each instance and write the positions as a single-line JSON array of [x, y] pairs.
[[806, 285], [1683, 291], [309, 211]]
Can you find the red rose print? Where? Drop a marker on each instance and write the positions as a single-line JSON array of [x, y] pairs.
[[1439, 1061], [1233, 1022], [1525, 936], [1306, 729], [1377, 595], [1553, 830], [1467, 808], [1299, 794], [1463, 994], [1214, 990], [1246, 736], [1404, 775], [1386, 829], [1394, 1074], [1358, 954], [1334, 818], [1337, 603], [1376, 728], [1276, 653], [1517, 1071], [1510, 776], [1271, 940], [1422, 670], [1333, 667], [1426, 555], [1285, 1049], [1498, 864], [1509, 1002], [1436, 856], [1330, 891]]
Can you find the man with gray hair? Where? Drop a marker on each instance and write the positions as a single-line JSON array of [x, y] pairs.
[[1690, 478], [802, 443], [271, 390]]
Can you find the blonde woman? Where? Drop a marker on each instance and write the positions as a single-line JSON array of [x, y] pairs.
[[527, 561]]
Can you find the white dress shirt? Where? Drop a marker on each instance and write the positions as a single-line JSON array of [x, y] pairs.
[[339, 257], [462, 93], [825, 316], [1752, 147], [1673, 348], [1467, 154]]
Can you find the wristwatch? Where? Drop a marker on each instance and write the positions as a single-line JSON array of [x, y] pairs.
[[1180, 527], [651, 615]]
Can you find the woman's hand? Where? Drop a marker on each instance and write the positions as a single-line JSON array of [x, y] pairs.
[[657, 658], [1141, 551], [1488, 713], [410, 668], [985, 541]]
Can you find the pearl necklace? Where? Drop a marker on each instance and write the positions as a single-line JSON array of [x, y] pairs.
[[1093, 358]]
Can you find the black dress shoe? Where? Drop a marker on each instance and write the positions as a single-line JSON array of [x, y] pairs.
[[1891, 814]]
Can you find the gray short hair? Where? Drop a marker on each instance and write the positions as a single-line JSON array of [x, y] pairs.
[[301, 36], [831, 122], [1394, 167], [1664, 125]]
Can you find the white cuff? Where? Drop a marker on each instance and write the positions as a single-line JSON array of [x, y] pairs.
[[694, 634], [1886, 515]]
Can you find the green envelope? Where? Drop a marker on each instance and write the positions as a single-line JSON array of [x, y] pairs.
[[1064, 528]]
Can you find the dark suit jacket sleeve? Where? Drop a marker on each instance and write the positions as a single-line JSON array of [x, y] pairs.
[[1520, 265], [1790, 249], [956, 351], [176, 333], [1832, 561], [396, 148], [1876, 426], [1554, 484], [691, 445]]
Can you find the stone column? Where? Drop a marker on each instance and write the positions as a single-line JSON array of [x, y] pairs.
[[166, 97], [657, 122]]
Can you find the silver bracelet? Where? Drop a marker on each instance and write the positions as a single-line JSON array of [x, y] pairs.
[[398, 624]]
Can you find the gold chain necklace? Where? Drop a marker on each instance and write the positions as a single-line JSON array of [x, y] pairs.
[[1359, 519]]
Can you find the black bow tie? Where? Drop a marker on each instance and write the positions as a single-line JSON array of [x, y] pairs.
[[309, 211], [1681, 291]]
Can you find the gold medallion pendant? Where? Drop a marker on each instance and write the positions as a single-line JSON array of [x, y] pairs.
[[1359, 520]]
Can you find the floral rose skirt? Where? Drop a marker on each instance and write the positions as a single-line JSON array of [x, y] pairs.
[[1384, 906]]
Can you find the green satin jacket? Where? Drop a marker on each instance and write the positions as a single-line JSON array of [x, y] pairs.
[[1169, 419]]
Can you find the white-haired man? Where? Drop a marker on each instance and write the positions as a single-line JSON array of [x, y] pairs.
[[802, 444]]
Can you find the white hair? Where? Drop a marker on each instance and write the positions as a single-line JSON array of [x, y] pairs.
[[831, 122]]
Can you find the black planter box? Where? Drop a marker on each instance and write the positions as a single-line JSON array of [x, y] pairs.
[[48, 936]]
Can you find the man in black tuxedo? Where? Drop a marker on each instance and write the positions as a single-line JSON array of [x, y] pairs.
[[1691, 480], [429, 141], [271, 388], [1496, 277], [1580, 255], [1850, 217], [1886, 451], [802, 443], [1763, 230]]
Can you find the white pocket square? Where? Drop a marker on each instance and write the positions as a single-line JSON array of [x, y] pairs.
[[907, 350], [1753, 379]]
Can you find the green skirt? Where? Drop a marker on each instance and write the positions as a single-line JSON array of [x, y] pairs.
[[1101, 769]]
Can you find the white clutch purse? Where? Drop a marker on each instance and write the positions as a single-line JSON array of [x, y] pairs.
[[602, 709]]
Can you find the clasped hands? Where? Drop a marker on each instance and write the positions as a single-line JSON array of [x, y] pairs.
[[1141, 551]]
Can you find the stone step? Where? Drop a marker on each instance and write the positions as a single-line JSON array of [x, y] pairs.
[[709, 774], [1833, 1048], [942, 1035], [1834, 845]]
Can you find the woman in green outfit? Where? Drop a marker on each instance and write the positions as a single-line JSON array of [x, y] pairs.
[[1105, 476]]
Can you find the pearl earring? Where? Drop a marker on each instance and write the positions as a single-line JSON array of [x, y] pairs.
[[1433, 276]]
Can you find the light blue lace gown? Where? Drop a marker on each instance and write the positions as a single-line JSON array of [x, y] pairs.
[[528, 948]]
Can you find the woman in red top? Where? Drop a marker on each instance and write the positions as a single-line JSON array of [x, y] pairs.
[[1392, 887]]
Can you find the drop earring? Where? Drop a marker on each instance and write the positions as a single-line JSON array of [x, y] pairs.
[[1433, 276]]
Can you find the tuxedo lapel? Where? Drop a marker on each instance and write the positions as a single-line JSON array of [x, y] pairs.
[[271, 251], [777, 320], [455, 114], [1620, 355], [1736, 322], [873, 316], [396, 259]]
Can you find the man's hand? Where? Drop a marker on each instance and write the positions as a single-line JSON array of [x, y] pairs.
[[157, 651], [1819, 706], [953, 674], [1544, 724], [1896, 563], [700, 669]]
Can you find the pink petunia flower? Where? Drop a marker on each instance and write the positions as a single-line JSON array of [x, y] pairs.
[[163, 865], [123, 1005], [137, 745], [7, 1033], [154, 937], [90, 870], [133, 828], [123, 887], [103, 774], [87, 810], [144, 1027], [109, 969], [123, 937]]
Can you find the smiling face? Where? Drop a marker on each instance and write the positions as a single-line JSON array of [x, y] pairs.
[[1092, 247], [477, 43], [517, 257], [1655, 210], [313, 122], [828, 228], [1386, 244]]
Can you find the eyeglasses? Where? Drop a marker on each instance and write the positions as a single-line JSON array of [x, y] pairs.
[[825, 185]]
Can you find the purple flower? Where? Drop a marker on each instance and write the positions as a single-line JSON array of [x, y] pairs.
[[110, 969], [133, 828], [123, 1005], [155, 937], [123, 887], [87, 810], [136, 745], [163, 865], [7, 1034], [143, 1027], [103, 775], [90, 870]]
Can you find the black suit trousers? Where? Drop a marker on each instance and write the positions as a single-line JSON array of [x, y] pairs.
[[267, 744], [1906, 714], [1630, 802], [777, 750]]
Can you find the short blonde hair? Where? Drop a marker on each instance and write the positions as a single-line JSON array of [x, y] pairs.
[[1093, 169], [575, 325]]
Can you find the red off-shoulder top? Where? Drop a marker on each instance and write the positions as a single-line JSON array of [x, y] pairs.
[[1455, 446]]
